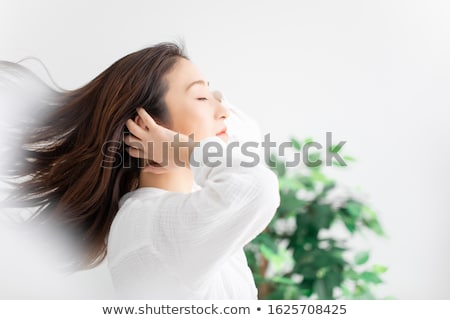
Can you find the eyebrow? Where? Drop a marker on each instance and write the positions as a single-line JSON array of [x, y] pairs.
[[197, 82]]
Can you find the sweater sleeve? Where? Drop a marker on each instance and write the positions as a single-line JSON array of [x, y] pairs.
[[241, 127], [236, 203]]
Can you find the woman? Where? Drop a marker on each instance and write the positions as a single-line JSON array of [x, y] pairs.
[[171, 224]]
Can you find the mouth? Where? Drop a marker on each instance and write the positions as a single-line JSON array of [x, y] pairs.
[[222, 132]]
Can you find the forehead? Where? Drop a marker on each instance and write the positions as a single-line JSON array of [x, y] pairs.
[[183, 73]]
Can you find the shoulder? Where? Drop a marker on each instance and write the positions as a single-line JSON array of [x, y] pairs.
[[139, 222], [144, 212]]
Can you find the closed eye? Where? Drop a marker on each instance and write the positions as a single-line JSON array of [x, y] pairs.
[[202, 99]]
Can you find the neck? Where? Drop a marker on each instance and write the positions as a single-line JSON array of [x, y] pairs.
[[178, 180]]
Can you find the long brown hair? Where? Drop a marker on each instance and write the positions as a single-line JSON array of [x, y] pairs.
[[73, 168]]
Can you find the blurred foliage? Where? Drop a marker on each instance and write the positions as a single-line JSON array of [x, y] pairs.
[[320, 267]]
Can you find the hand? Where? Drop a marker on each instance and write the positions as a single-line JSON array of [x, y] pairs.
[[154, 142]]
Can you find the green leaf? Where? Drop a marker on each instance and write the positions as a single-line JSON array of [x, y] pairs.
[[283, 280], [323, 289], [289, 202], [322, 215], [267, 240], [349, 158], [308, 140], [351, 274], [321, 272], [334, 277], [292, 292], [307, 287], [277, 259], [346, 291], [370, 220], [306, 270], [295, 144], [372, 277], [307, 182], [379, 269], [368, 212], [313, 160], [361, 257], [335, 148], [289, 183], [349, 224], [354, 208], [319, 176], [374, 225], [267, 252]]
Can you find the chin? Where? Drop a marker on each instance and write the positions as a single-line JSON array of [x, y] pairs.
[[224, 137]]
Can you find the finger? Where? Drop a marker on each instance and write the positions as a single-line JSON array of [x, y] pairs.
[[134, 142], [148, 120], [135, 129], [135, 153]]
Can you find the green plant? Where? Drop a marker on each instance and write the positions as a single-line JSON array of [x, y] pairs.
[[298, 261]]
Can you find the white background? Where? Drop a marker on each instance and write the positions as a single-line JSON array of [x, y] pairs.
[[375, 73]]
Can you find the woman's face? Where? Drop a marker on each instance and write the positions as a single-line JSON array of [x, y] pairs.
[[193, 108]]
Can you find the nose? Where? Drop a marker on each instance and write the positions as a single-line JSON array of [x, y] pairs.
[[222, 111]]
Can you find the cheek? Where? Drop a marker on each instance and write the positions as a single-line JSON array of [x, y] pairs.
[[199, 121], [201, 124]]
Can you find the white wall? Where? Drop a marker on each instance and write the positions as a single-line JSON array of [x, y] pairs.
[[375, 73]]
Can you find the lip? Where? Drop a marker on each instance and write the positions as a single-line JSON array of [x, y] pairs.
[[223, 131]]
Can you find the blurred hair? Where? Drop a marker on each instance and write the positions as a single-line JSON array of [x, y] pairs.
[[60, 169]]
